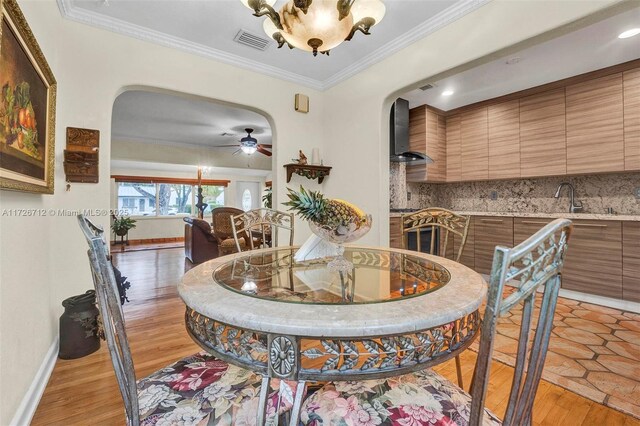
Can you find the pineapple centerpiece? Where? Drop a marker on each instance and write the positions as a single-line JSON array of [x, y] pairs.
[[334, 220]]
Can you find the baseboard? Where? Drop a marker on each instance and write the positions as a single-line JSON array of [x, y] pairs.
[[623, 305], [31, 399]]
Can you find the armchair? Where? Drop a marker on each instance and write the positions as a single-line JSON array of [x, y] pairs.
[[200, 244]]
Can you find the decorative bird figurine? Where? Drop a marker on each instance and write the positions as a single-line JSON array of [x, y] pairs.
[[302, 158]]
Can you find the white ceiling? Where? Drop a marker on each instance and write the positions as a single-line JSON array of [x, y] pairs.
[[166, 119], [587, 49], [209, 27]]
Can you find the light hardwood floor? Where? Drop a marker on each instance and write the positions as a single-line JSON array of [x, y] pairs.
[[84, 391]]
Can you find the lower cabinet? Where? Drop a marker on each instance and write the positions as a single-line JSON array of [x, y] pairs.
[[395, 232], [631, 261], [489, 232], [594, 259]]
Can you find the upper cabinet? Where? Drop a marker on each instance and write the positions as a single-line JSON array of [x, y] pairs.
[[584, 124], [474, 137], [542, 134], [427, 134], [631, 85], [504, 140], [595, 130], [454, 148]]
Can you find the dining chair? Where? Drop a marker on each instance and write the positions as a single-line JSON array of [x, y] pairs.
[[222, 230], [261, 227], [534, 269], [442, 227], [198, 389]]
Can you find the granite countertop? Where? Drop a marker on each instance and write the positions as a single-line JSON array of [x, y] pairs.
[[592, 216]]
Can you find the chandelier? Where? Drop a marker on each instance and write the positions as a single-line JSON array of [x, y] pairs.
[[317, 25]]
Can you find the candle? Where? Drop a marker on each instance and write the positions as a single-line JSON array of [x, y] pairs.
[[315, 156]]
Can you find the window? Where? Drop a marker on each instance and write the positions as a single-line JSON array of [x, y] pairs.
[[132, 198], [172, 199], [246, 200]]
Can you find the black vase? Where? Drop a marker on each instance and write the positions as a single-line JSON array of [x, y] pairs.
[[79, 326]]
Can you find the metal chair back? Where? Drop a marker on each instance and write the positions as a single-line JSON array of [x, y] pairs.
[[443, 223], [264, 224], [534, 266], [112, 318]]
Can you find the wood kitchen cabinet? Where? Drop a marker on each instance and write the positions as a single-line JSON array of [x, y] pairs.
[[524, 227], [427, 134], [631, 86], [542, 134], [454, 148], [467, 258], [504, 140], [474, 144], [489, 232], [631, 261], [595, 128], [593, 263], [395, 232]]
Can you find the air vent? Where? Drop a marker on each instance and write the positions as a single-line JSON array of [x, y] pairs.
[[427, 87], [252, 40]]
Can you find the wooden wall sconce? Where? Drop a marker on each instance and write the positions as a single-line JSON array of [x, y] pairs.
[[81, 155]]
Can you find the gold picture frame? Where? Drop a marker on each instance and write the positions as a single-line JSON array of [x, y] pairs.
[[27, 107]]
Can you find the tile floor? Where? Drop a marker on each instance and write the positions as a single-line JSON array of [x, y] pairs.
[[594, 351]]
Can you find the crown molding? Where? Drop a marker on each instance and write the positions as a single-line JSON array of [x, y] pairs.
[[442, 19], [141, 33]]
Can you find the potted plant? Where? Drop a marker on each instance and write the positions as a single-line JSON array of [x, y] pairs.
[[267, 197], [121, 227]]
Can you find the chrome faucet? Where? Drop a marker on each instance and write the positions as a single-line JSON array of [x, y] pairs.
[[576, 206]]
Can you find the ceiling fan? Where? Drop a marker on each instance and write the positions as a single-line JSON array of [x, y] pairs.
[[249, 145]]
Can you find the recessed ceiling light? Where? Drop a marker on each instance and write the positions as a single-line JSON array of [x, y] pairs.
[[513, 60], [629, 33], [447, 93]]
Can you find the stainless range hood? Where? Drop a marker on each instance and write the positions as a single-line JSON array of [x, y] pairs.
[[399, 136]]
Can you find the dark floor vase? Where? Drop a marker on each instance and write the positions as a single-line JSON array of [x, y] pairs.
[[78, 326]]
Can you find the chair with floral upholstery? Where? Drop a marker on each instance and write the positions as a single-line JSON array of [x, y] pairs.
[[442, 226], [199, 389], [427, 398]]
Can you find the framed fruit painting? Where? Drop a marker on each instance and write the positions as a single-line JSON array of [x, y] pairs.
[[27, 107]]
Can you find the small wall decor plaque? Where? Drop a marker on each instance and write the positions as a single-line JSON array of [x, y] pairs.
[[81, 155]]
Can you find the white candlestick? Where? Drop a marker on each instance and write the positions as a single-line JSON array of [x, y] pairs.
[[315, 156]]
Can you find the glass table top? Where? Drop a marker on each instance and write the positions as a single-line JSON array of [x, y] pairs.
[[378, 276]]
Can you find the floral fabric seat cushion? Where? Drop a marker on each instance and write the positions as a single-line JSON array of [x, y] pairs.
[[422, 398], [203, 390]]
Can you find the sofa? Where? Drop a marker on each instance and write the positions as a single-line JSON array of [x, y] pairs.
[[200, 244]]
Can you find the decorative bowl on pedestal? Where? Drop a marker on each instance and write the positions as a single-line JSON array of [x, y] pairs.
[[340, 235]]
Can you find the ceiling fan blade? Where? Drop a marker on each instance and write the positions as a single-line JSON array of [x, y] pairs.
[[265, 145], [237, 151], [261, 150], [226, 146]]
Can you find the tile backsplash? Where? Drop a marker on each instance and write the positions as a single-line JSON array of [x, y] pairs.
[[597, 193]]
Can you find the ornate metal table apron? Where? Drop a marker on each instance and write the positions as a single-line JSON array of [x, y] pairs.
[[332, 342]]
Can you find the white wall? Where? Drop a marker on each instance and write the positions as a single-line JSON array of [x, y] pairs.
[[43, 260]]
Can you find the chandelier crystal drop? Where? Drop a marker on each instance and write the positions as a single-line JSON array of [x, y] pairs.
[[317, 25]]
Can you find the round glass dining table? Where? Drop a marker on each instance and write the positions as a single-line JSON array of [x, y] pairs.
[[395, 312]]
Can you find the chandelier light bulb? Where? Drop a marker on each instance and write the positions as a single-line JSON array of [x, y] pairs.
[[374, 9]]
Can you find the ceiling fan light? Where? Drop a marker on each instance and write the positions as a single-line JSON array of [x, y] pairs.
[[374, 9], [247, 149], [321, 22], [269, 28], [269, 2]]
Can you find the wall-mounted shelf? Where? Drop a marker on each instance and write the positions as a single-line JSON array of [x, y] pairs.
[[308, 171], [81, 155]]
